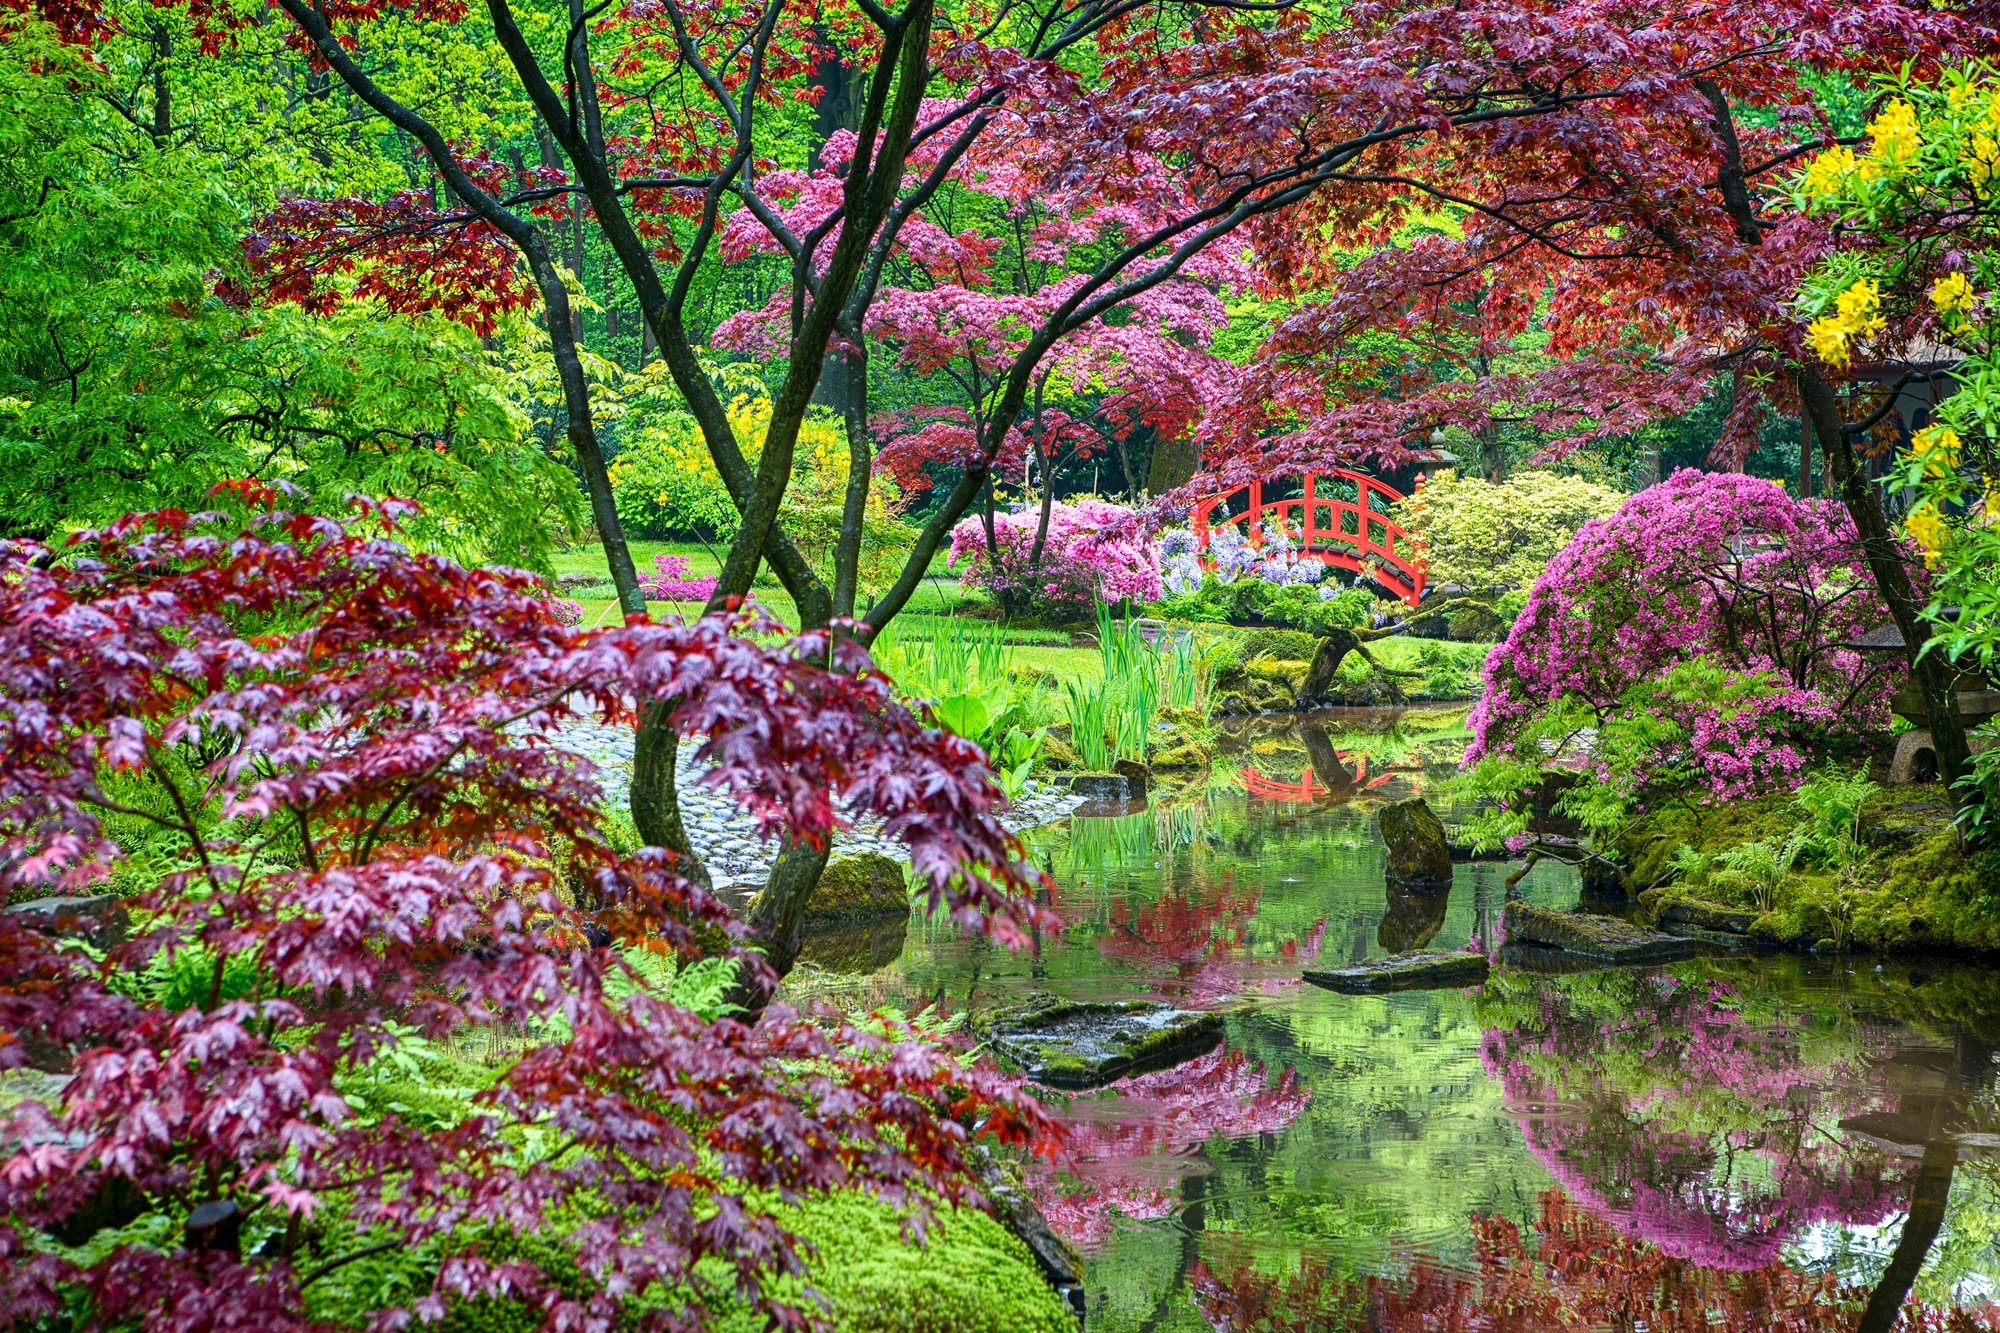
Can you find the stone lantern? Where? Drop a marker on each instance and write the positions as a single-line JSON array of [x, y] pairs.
[[1973, 700]]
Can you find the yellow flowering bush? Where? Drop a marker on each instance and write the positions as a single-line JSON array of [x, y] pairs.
[[664, 480], [1919, 244], [1857, 314], [1951, 294]]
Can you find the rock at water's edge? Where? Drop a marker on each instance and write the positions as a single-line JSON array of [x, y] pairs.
[[1601, 937], [1429, 969], [1708, 916], [103, 918], [863, 887], [1419, 853], [1071, 1045]]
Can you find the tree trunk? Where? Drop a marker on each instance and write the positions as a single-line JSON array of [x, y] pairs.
[[1332, 651], [776, 917], [1934, 676], [1920, 1228], [860, 470], [1173, 465], [656, 803]]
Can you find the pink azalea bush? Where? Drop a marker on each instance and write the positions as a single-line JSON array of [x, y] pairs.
[[1691, 639], [670, 581], [1093, 551]]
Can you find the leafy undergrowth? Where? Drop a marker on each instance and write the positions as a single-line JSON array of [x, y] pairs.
[[1909, 885]]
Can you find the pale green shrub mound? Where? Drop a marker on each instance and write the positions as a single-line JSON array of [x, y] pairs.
[[1481, 536]]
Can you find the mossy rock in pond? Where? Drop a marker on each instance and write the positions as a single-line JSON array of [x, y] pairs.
[[1188, 754], [1601, 937], [1101, 786], [1427, 969], [1241, 692], [865, 886], [1285, 673], [1057, 753], [969, 1275], [1069, 1044], [1419, 852], [1700, 914]]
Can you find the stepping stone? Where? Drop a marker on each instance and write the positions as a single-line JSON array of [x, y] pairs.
[[1708, 916], [1070, 1045], [1428, 969], [1601, 937]]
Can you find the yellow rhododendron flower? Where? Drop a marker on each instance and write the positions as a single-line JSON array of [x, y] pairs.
[[1894, 132], [1860, 309], [1926, 527], [1981, 160], [1857, 313], [1829, 172], [1828, 341], [1936, 447], [1951, 292]]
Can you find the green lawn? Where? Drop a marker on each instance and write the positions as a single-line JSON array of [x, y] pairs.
[[938, 596]]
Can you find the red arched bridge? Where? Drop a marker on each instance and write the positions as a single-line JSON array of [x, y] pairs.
[[1340, 516]]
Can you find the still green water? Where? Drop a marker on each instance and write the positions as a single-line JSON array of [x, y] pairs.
[[1732, 1142]]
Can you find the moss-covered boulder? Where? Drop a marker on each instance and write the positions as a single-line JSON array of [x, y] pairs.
[[1419, 852], [1057, 753], [1705, 916], [866, 886], [1185, 755], [969, 1275]]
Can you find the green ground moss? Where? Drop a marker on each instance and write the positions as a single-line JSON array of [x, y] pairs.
[[970, 1275], [1915, 889]]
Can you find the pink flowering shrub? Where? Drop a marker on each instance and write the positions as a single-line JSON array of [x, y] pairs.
[[1093, 551], [1688, 640], [670, 581]]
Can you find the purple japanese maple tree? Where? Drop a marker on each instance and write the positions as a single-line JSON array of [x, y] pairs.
[[345, 764]]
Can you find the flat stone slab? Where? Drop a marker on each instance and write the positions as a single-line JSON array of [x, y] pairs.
[[1709, 916], [1601, 937], [1427, 969], [1071, 1045]]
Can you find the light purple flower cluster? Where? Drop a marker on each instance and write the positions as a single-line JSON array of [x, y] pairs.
[[1093, 550], [670, 582], [1180, 565], [1716, 566]]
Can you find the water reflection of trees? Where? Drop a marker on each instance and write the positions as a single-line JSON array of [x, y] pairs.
[[1571, 1270], [1133, 1146], [1667, 1108]]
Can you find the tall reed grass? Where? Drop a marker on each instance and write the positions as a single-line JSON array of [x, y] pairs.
[[947, 656]]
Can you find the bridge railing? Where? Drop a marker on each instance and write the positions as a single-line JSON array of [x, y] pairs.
[[1355, 534]]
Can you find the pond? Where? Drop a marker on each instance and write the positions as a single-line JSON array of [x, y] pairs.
[[1729, 1142]]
